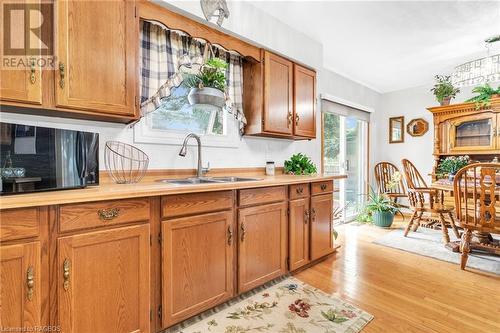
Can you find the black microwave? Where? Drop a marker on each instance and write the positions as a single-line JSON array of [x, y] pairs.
[[34, 158]]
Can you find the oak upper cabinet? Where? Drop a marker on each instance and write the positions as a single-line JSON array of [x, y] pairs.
[[103, 281], [96, 52], [473, 133], [304, 102], [198, 269], [262, 237], [299, 233], [321, 225], [20, 280], [279, 98], [278, 94]]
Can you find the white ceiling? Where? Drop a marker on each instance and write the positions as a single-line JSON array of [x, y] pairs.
[[389, 46]]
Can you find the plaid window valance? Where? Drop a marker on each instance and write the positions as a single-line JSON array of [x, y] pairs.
[[164, 52]]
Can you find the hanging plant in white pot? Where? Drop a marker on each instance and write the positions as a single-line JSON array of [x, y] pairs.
[[209, 85]]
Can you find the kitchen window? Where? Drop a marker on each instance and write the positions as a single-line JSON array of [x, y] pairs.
[[167, 115]]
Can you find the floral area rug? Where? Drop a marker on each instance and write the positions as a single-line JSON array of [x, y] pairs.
[[289, 306]]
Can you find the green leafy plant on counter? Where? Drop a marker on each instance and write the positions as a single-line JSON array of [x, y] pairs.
[[485, 93], [300, 164], [451, 164], [212, 75], [444, 89]]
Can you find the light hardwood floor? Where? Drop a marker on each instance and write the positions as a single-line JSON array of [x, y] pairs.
[[406, 292]]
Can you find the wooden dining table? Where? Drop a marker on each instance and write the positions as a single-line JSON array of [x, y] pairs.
[[480, 240]]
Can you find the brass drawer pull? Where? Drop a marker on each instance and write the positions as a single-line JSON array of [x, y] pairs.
[[108, 214], [30, 283], [32, 72], [313, 214], [323, 187], [297, 118], [290, 118], [243, 232], [306, 216], [66, 274], [229, 235], [62, 74]]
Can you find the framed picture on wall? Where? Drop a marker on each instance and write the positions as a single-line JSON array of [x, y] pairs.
[[397, 129]]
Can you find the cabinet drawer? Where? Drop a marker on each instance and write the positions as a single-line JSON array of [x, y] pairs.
[[19, 223], [257, 196], [103, 213], [299, 191], [322, 187], [195, 203]]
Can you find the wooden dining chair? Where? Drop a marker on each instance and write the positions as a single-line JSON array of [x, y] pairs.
[[426, 200], [477, 195], [384, 171]]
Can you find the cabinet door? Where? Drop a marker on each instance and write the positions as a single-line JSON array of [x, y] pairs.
[[278, 94], [473, 133], [262, 238], [20, 83], [321, 226], [304, 101], [20, 281], [103, 281], [299, 233], [96, 49], [197, 264]]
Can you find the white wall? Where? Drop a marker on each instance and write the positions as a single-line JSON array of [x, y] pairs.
[[253, 24], [410, 103]]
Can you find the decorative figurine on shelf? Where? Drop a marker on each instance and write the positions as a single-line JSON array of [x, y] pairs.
[[215, 8]]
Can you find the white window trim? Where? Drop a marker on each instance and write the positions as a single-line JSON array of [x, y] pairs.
[[144, 133]]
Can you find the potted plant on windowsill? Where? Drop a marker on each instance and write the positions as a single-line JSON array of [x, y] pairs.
[[486, 92], [450, 165], [444, 89], [209, 85]]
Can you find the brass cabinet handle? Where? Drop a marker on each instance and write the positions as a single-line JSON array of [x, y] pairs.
[[323, 187], [313, 214], [306, 216], [62, 73], [229, 235], [30, 282], [297, 118], [32, 72], [66, 274], [299, 190], [243, 231], [108, 214], [290, 118]]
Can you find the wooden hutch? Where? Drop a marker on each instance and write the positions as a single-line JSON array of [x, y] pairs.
[[461, 129]]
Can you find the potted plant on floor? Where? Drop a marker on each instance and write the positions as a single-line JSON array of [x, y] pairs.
[[486, 92], [379, 209], [209, 85], [450, 165], [444, 89]]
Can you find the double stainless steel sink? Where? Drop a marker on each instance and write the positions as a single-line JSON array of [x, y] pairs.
[[207, 180]]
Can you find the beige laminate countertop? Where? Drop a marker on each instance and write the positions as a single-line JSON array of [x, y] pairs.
[[146, 188]]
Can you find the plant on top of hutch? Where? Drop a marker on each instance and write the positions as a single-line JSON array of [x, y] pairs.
[[463, 129], [444, 89], [486, 92]]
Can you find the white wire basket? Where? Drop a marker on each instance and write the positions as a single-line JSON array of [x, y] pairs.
[[125, 163]]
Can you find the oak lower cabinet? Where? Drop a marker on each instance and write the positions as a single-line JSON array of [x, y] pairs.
[[321, 226], [103, 281], [299, 233], [21, 288], [262, 244], [198, 267]]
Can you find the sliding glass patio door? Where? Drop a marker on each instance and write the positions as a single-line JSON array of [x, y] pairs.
[[345, 151]]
